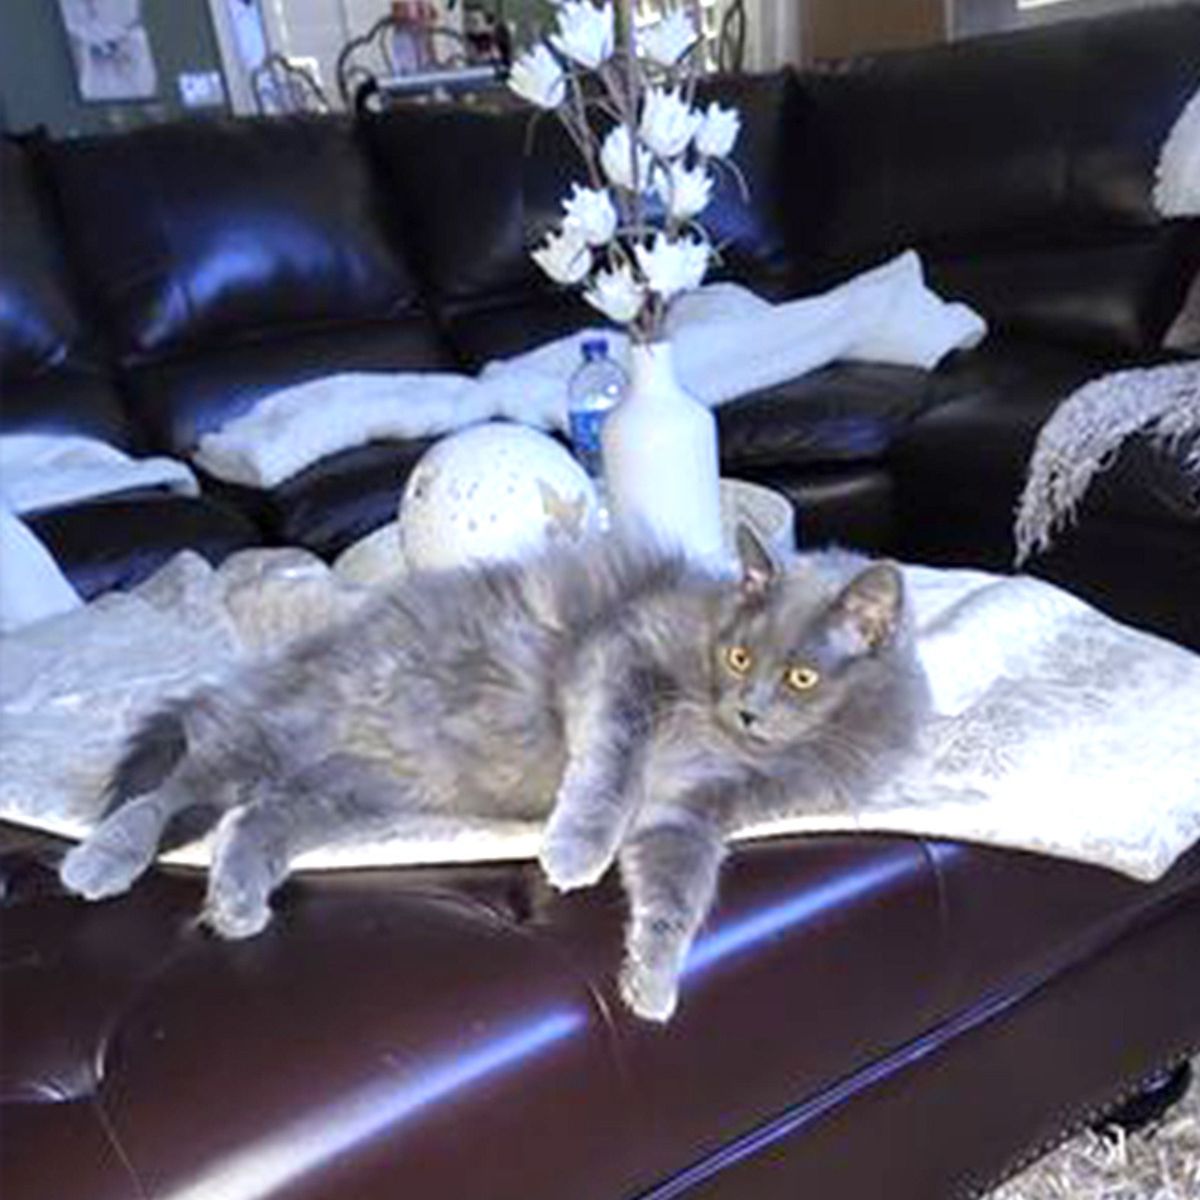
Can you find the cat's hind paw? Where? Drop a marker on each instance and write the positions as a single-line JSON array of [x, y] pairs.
[[651, 995], [103, 866], [234, 912], [573, 858]]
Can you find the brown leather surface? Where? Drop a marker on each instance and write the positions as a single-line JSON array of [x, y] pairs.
[[387, 1016]]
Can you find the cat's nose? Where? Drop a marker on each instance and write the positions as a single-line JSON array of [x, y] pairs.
[[747, 717]]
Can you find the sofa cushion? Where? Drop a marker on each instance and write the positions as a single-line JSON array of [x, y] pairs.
[[176, 400], [49, 372], [479, 188], [118, 541], [201, 232], [73, 400], [39, 323], [481, 335], [1120, 292], [961, 465], [914, 149], [846, 412], [336, 501]]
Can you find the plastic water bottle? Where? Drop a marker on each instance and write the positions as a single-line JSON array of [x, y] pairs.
[[596, 386]]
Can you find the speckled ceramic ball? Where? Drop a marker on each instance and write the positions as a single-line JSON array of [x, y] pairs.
[[490, 492]]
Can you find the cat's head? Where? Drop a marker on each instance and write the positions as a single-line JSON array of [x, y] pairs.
[[789, 645]]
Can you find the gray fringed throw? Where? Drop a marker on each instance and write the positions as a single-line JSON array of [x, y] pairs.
[[1088, 429]]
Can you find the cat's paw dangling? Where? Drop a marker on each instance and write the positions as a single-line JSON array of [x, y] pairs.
[[652, 994], [575, 856]]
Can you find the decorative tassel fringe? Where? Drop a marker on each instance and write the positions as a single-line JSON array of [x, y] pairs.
[[1086, 432]]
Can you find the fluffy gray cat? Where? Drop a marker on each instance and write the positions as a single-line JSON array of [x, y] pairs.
[[642, 708]]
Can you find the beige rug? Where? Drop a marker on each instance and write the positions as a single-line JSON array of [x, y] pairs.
[[1159, 1163]]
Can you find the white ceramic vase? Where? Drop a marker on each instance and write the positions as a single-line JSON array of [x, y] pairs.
[[661, 465]]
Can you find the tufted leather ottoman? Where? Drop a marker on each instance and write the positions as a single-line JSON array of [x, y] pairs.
[[863, 1017]]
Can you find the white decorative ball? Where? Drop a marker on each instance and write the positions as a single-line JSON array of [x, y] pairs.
[[490, 492]]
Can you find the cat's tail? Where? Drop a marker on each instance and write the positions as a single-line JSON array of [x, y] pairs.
[[201, 726], [151, 753]]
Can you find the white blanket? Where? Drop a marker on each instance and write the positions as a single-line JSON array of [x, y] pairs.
[[1057, 729], [50, 470], [40, 471], [1177, 176], [727, 343], [31, 585]]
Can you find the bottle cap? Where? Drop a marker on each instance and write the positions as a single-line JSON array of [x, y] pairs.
[[594, 348]]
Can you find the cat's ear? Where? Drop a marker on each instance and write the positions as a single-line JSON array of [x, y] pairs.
[[759, 568], [867, 613]]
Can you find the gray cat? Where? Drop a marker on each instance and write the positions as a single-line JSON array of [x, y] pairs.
[[642, 708]]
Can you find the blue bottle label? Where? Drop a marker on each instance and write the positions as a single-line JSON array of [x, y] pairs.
[[586, 424]]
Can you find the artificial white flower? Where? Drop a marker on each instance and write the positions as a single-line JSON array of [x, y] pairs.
[[616, 293], [718, 131], [684, 192], [564, 256], [536, 76], [667, 41], [667, 122], [675, 266], [615, 155], [585, 32], [591, 213], [696, 254]]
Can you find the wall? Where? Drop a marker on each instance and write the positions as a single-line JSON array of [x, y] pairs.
[[37, 79], [972, 17]]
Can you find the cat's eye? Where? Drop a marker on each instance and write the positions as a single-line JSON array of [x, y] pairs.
[[802, 679], [739, 660]]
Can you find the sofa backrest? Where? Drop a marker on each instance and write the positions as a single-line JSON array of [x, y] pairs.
[[1022, 166], [230, 257], [478, 189], [51, 377]]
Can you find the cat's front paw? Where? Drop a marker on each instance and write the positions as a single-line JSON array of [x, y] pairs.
[[573, 857], [650, 993]]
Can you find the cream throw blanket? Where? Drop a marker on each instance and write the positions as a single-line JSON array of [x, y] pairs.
[[1057, 729], [727, 342]]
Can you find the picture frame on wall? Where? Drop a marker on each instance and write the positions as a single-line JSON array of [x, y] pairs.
[[110, 50]]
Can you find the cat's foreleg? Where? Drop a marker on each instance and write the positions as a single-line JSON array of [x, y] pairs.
[[607, 720], [340, 799], [669, 867]]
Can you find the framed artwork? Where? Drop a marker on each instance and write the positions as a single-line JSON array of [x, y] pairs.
[[110, 49]]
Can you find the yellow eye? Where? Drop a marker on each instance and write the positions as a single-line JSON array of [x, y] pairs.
[[802, 679], [739, 660]]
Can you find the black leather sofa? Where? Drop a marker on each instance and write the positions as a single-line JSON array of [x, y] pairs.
[[886, 1016]]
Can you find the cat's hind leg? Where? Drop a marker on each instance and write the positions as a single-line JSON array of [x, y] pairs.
[[669, 868], [339, 799], [120, 849]]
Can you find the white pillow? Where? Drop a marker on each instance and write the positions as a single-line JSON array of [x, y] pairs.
[[1177, 185], [31, 585]]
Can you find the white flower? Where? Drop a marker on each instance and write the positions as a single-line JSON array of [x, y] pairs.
[[616, 293], [684, 192], [564, 256], [718, 131], [585, 32], [615, 156], [666, 42], [667, 122], [671, 267], [537, 77], [591, 213]]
